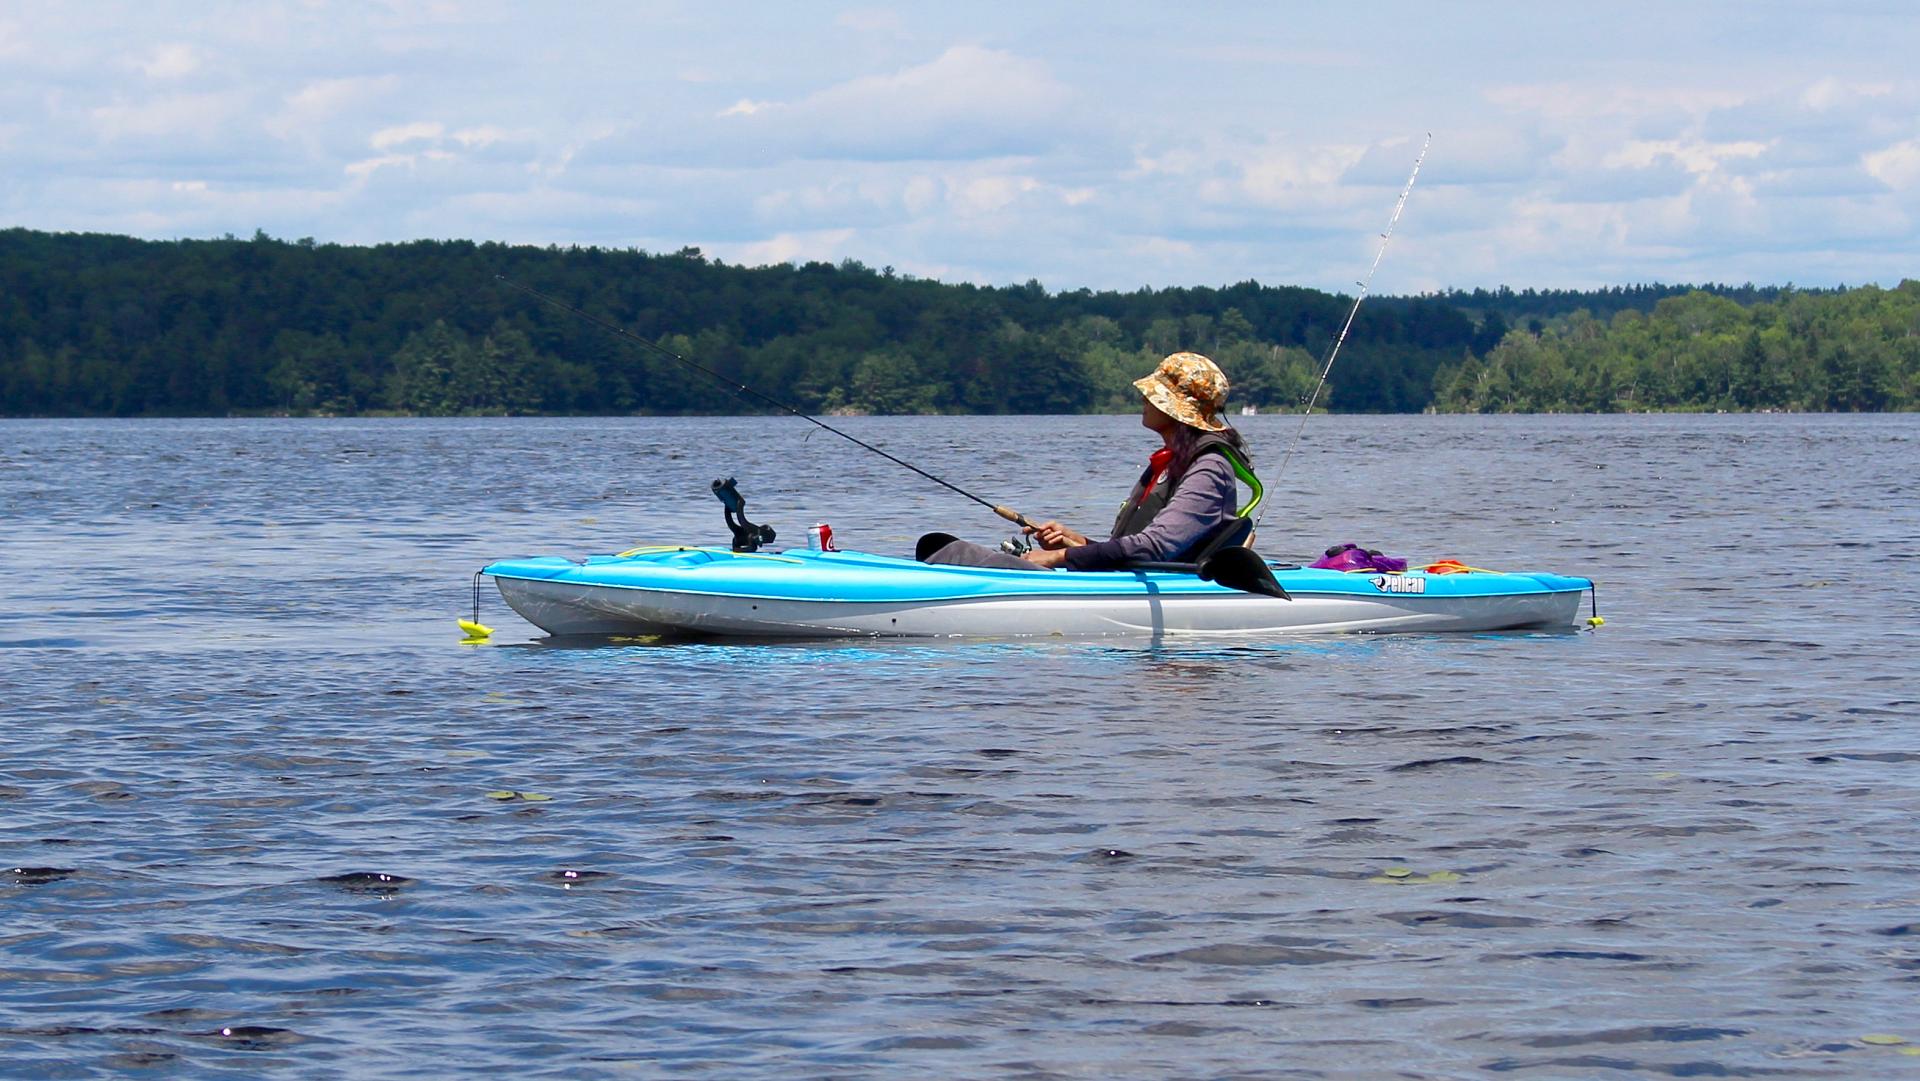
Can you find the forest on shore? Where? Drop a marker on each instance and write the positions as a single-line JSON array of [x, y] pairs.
[[99, 325]]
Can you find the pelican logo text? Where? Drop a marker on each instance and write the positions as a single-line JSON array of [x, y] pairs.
[[1398, 583]]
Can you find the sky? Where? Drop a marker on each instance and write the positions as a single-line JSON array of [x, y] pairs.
[[1104, 146]]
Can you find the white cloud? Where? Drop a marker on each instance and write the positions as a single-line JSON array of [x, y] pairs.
[[1290, 176], [559, 161], [1694, 156], [171, 61], [1827, 122], [417, 132], [195, 115], [1829, 93], [175, 208], [1474, 156], [826, 245], [872, 21], [1567, 101], [1898, 166], [325, 97], [1660, 177], [1199, 180], [478, 138], [968, 102], [921, 194], [1229, 52], [366, 167], [1156, 247], [1818, 181], [321, 100], [990, 194], [887, 195], [539, 215], [862, 200]]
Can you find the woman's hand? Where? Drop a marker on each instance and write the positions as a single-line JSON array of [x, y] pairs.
[[1053, 535], [1042, 557]]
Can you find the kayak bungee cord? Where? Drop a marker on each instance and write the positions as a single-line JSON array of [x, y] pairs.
[[1366, 284], [744, 391]]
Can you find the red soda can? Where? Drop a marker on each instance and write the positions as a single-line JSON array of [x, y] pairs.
[[820, 538]]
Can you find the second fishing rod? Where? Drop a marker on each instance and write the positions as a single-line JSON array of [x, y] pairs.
[[742, 390]]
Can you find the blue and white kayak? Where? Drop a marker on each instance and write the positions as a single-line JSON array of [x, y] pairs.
[[694, 591]]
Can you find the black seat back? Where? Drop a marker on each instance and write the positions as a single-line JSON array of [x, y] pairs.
[[1232, 533]]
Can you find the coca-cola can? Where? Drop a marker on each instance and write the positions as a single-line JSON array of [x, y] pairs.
[[820, 538]]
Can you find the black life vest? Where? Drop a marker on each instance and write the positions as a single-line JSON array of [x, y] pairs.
[[1140, 509]]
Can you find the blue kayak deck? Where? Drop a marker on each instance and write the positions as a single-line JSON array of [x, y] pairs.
[[804, 574]]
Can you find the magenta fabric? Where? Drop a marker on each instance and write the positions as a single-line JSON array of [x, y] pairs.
[[1352, 557]]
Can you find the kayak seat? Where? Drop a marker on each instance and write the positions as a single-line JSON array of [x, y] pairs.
[[931, 543]]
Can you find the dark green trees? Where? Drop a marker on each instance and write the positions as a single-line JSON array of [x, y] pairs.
[[1850, 351], [110, 326]]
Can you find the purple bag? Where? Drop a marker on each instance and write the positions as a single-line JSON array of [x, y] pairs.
[[1352, 557]]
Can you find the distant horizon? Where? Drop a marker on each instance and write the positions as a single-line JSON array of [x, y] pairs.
[[1052, 290]]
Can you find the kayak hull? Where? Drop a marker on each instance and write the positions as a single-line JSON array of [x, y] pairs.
[[576, 609], [709, 592]]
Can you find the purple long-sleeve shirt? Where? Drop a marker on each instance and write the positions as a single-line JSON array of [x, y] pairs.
[[1204, 498]]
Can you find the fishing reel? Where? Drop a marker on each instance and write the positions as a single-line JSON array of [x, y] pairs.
[[747, 537]]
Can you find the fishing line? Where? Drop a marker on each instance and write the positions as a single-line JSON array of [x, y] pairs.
[[1365, 284], [750, 394]]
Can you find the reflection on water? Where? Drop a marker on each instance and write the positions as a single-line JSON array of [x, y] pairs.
[[264, 814], [775, 649]]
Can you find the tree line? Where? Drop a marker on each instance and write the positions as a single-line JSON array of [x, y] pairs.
[[1851, 351], [95, 325]]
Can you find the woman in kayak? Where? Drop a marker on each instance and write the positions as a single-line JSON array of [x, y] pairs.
[[1183, 498]]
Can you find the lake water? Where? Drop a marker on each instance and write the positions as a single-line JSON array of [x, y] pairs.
[[251, 785]]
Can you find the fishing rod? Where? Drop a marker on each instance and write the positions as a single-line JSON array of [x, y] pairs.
[[747, 392], [1365, 284]]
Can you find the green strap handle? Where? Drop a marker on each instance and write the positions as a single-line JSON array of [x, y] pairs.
[[1244, 472]]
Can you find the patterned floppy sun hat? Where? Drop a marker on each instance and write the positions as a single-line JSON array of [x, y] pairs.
[[1189, 388]]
